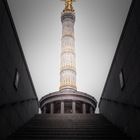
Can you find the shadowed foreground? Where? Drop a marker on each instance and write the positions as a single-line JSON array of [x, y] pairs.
[[68, 127]]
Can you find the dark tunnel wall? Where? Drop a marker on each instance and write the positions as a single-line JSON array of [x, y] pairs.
[[120, 101], [18, 100]]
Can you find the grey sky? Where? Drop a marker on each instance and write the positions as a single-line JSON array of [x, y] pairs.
[[98, 27]]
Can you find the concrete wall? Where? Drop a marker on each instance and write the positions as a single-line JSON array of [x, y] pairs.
[[17, 104], [122, 105]]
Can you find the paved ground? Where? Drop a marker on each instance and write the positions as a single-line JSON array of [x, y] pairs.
[[69, 127]]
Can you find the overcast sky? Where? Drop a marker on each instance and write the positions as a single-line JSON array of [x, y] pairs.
[[98, 27]]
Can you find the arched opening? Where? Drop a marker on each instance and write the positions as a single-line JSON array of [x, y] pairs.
[[79, 107], [87, 108], [48, 108], [57, 106], [67, 106]]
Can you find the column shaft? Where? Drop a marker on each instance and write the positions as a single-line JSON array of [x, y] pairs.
[[73, 107], [52, 108], [84, 108], [62, 107], [91, 110]]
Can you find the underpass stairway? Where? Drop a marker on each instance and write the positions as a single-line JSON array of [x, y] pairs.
[[68, 127]]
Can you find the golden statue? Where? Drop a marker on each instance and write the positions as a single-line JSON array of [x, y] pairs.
[[68, 5]]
